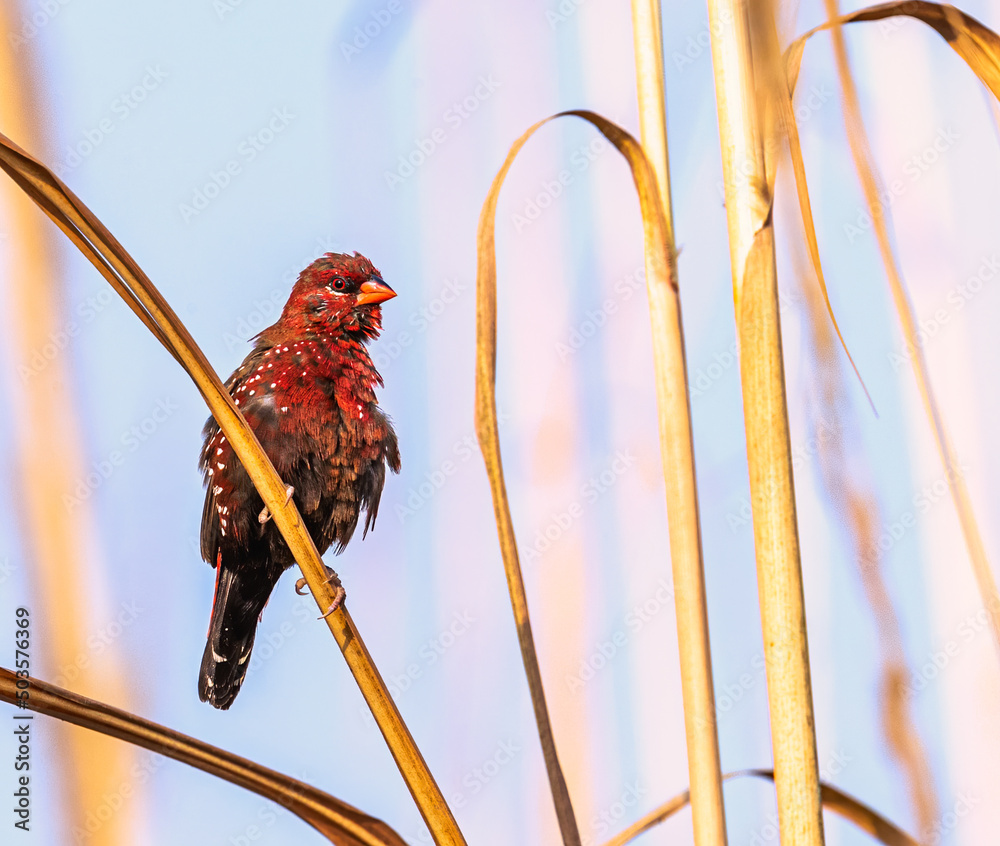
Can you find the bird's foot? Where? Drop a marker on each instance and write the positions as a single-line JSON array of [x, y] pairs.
[[265, 515], [339, 594]]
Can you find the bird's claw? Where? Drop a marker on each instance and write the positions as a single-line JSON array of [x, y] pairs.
[[265, 515], [339, 594]]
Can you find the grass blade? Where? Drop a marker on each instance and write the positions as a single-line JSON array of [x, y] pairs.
[[118, 267], [677, 449], [662, 290], [339, 822], [833, 799]]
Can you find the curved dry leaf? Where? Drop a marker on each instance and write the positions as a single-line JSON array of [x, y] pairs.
[[660, 282], [781, 90], [980, 48], [127, 278], [977, 44], [833, 799], [339, 822]]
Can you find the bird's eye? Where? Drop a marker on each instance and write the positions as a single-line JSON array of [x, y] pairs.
[[337, 284]]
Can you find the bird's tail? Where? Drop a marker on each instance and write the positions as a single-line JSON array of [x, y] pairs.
[[235, 612]]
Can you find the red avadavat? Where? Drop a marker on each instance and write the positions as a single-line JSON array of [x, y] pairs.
[[308, 391]]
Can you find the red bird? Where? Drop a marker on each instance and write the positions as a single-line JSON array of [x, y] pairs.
[[308, 391]]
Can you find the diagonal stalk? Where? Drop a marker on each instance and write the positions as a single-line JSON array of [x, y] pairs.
[[677, 449], [79, 224], [779, 571]]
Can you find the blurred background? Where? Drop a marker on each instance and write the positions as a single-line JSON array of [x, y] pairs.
[[226, 145]]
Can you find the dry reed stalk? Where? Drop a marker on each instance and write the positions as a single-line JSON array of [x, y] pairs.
[[677, 449], [779, 573], [127, 278], [50, 463]]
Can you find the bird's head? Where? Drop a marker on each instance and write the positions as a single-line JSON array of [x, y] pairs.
[[337, 293]]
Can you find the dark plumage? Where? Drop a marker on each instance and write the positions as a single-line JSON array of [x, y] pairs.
[[308, 391]]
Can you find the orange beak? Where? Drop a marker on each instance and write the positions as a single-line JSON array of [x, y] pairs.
[[374, 291]]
